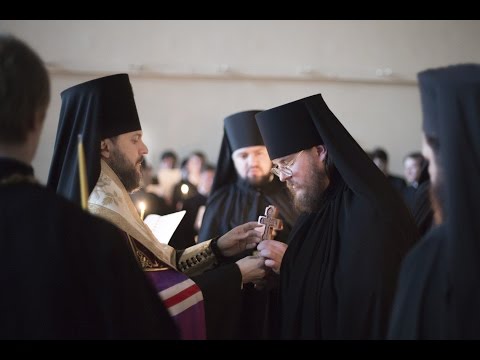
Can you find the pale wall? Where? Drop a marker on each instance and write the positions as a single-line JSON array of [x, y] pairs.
[[188, 75]]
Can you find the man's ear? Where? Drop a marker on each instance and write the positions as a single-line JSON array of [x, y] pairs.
[[321, 152], [105, 148]]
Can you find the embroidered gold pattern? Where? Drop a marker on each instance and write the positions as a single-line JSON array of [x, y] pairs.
[[110, 197], [145, 262]]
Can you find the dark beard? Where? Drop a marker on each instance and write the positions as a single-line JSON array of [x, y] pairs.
[[258, 182], [313, 198], [125, 171]]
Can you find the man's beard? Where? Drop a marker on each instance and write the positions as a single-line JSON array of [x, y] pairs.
[[126, 172], [311, 199], [259, 181]]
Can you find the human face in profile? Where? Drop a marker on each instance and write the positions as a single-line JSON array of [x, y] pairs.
[[305, 175], [124, 154]]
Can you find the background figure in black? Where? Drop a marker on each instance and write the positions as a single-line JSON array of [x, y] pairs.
[[242, 189], [339, 272], [416, 193], [413, 164], [438, 293], [64, 273], [380, 157], [154, 204], [187, 231]]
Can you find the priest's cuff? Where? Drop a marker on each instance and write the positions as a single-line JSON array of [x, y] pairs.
[[198, 258], [216, 250]]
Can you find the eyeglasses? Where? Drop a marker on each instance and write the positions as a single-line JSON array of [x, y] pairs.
[[285, 169]]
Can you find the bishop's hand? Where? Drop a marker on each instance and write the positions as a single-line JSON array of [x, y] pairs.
[[240, 238]]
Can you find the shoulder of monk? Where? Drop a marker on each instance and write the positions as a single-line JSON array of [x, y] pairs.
[[221, 193]]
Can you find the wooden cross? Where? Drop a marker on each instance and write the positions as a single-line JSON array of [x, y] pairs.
[[271, 222]]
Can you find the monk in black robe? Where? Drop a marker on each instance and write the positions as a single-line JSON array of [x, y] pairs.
[[64, 273], [242, 194], [339, 272], [438, 293], [243, 187]]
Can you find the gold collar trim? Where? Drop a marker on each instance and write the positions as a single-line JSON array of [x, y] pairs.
[[110, 200]]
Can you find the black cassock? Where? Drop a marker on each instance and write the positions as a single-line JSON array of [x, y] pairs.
[[66, 274], [340, 270]]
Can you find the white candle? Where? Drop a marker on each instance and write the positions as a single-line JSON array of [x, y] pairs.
[[82, 173], [142, 207]]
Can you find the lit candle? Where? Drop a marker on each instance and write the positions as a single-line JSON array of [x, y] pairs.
[[142, 207], [82, 173], [184, 189]]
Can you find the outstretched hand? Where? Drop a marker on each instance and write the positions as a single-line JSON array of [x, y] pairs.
[[240, 238]]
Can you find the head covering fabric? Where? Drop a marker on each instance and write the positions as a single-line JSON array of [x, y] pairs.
[[428, 99], [288, 128], [240, 130], [96, 109]]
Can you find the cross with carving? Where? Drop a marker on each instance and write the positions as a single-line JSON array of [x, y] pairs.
[[271, 222]]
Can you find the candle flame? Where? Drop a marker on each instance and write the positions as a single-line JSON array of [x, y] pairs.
[[142, 207]]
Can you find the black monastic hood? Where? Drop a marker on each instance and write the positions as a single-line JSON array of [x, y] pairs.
[[240, 130], [96, 109]]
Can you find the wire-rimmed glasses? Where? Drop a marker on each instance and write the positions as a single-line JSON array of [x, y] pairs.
[[285, 169]]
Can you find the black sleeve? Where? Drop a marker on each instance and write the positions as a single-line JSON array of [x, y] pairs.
[[221, 288], [216, 216]]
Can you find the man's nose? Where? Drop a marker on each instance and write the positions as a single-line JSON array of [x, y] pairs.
[[143, 149], [252, 159], [283, 177]]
